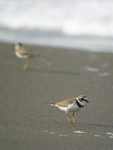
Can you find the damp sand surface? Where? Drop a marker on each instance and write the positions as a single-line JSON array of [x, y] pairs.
[[28, 123]]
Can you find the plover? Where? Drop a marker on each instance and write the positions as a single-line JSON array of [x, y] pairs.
[[25, 53], [71, 105]]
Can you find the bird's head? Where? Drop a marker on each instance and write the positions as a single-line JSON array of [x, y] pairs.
[[17, 45], [83, 98]]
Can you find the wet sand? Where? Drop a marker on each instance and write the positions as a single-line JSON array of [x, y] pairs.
[[28, 123]]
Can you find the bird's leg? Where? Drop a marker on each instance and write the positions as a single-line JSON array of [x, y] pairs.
[[26, 65], [73, 118], [68, 118]]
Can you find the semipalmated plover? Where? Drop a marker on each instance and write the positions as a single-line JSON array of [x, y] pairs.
[[25, 53], [71, 105]]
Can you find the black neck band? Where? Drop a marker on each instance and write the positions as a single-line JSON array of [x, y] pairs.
[[79, 105]]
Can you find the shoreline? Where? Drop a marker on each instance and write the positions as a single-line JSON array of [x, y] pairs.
[[67, 47]]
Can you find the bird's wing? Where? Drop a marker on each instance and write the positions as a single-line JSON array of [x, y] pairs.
[[24, 51], [65, 103]]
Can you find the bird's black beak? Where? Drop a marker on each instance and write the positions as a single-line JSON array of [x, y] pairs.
[[86, 101]]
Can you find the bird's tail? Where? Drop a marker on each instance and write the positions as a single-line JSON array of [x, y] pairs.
[[51, 104], [36, 54]]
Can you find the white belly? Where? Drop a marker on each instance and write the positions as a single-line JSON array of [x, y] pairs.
[[21, 56], [73, 108], [70, 108]]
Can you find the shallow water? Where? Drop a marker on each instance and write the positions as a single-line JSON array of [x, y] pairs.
[[86, 25]]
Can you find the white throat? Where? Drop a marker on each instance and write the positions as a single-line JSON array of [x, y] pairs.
[[17, 46], [82, 103]]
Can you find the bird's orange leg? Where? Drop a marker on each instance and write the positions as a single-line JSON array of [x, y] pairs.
[[68, 118], [26, 65], [73, 118]]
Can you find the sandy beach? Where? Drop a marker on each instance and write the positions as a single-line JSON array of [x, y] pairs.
[[28, 123]]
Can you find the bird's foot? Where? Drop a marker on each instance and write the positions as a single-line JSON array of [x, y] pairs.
[[25, 68], [70, 122], [74, 123]]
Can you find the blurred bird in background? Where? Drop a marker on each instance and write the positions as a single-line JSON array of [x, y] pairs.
[[25, 53]]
